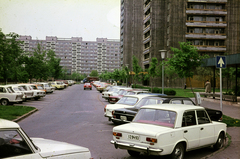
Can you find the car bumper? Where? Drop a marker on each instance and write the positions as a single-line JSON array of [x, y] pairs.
[[140, 148]]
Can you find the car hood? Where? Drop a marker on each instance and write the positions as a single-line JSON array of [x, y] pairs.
[[54, 148], [142, 129]]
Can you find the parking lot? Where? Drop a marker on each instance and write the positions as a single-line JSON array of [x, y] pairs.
[[75, 115]]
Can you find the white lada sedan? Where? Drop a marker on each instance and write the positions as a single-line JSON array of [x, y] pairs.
[[169, 130], [14, 143]]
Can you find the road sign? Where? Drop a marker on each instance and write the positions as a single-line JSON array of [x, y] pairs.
[[221, 62]]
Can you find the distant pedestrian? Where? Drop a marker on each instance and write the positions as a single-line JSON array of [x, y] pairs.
[[208, 87], [185, 86]]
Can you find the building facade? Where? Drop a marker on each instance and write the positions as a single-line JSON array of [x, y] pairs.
[[77, 55], [212, 26]]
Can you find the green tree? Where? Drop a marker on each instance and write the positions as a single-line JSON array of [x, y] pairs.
[[152, 71], [185, 60], [10, 51], [53, 64], [94, 73], [136, 69]]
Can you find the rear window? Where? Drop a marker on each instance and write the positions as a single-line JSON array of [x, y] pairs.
[[156, 117], [128, 100]]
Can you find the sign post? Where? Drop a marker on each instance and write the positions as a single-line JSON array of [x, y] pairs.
[[221, 63]]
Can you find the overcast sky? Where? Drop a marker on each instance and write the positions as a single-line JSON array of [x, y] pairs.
[[89, 19]]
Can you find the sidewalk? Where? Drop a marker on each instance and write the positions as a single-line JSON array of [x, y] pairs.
[[232, 109]]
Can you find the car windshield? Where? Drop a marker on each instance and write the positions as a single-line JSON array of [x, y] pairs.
[[156, 117], [87, 84], [130, 93], [148, 101], [40, 88], [128, 100], [16, 89], [34, 87], [10, 90]]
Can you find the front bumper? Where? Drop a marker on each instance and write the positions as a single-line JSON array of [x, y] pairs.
[[134, 147]]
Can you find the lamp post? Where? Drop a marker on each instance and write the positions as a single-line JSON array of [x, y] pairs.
[[162, 56]]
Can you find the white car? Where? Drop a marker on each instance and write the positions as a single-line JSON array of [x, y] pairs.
[[125, 102], [37, 94], [7, 95], [19, 89], [15, 143], [169, 130]]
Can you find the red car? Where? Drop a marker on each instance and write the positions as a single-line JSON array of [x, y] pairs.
[[87, 86]]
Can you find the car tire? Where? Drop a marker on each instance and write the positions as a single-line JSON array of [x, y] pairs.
[[90, 88], [178, 152], [220, 142], [4, 102], [36, 98], [133, 153]]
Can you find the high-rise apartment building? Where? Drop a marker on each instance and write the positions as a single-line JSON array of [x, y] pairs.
[[148, 26], [77, 55]]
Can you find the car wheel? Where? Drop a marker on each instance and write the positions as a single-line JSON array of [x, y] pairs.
[[220, 142], [90, 88], [4, 102], [36, 98], [133, 153], [178, 152]]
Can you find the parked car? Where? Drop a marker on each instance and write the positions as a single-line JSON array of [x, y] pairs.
[[126, 115], [111, 91], [102, 86], [15, 143], [125, 102], [18, 89], [116, 97], [46, 87], [8, 96], [169, 130], [87, 86], [37, 94], [57, 84]]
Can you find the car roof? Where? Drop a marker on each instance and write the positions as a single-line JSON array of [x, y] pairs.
[[173, 107], [138, 95], [8, 124]]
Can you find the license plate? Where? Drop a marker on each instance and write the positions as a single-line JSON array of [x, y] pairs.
[[123, 118], [134, 137]]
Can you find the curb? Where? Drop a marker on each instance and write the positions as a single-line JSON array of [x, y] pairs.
[[25, 115], [226, 144], [236, 104]]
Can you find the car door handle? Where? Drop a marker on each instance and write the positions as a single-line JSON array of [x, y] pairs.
[[185, 131], [201, 128]]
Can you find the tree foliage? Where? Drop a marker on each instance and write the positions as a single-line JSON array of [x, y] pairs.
[[136, 69], [94, 73], [185, 60]]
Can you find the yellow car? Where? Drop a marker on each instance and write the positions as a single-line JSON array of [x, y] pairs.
[[57, 84]]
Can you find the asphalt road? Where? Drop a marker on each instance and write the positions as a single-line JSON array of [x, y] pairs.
[[75, 116]]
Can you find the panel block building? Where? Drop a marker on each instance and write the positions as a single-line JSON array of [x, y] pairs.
[[77, 55]]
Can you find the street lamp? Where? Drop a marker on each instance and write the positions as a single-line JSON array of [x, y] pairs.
[[162, 56]]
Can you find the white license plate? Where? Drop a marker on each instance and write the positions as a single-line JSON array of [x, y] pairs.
[[123, 118], [134, 137]]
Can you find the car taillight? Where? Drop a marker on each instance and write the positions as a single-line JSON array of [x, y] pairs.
[[105, 108], [152, 140], [117, 134], [113, 112]]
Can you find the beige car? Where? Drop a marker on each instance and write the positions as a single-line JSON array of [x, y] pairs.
[[7, 95], [57, 84]]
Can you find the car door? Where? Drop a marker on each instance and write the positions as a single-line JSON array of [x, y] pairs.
[[206, 128], [190, 129]]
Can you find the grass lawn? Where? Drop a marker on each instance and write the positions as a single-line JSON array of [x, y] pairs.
[[11, 112]]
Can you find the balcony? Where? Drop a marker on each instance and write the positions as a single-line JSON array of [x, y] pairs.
[[146, 62], [146, 39], [205, 36], [146, 29], [191, 23], [223, 1], [146, 51], [210, 48], [146, 8], [146, 18], [206, 11]]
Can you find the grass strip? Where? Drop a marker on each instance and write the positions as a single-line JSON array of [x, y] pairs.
[[11, 112]]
